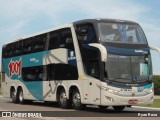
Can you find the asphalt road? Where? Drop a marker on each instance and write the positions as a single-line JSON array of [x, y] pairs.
[[90, 113]]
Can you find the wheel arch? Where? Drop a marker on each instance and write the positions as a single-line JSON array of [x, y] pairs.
[[12, 88], [72, 88], [19, 87], [59, 88]]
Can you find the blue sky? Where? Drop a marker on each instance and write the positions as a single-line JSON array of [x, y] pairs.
[[19, 18]]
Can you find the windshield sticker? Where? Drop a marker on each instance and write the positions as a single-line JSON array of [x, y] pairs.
[[143, 69], [140, 89]]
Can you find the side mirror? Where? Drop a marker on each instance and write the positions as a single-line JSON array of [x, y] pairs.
[[102, 49], [155, 48]]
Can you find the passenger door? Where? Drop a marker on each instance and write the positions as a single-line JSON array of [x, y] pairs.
[[92, 71], [94, 82]]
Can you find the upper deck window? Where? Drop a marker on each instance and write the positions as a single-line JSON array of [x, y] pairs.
[[121, 33], [86, 33]]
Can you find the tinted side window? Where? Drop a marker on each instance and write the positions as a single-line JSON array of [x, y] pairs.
[[65, 72], [27, 45], [17, 48], [5, 51], [12, 49], [53, 40], [34, 44], [51, 71], [32, 73], [85, 33], [8, 50], [66, 40], [39, 43], [62, 72]]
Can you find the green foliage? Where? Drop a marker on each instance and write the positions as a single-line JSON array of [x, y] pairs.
[[156, 104], [156, 81]]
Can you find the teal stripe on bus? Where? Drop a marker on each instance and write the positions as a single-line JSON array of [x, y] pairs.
[[28, 60]]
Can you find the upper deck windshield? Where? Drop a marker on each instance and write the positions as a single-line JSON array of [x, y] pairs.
[[121, 33]]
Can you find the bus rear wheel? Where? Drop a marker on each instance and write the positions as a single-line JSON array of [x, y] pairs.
[[118, 108], [76, 100], [63, 101], [14, 96]]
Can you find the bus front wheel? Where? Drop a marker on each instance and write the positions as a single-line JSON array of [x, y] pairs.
[[14, 96], [118, 108], [102, 107]]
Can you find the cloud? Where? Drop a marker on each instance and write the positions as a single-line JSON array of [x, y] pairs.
[[58, 12], [152, 33], [22, 17], [119, 9], [18, 9]]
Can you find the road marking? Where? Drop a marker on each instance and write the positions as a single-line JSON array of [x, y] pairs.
[[146, 107], [53, 118]]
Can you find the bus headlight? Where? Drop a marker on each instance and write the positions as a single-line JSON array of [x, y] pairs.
[[111, 91], [150, 90]]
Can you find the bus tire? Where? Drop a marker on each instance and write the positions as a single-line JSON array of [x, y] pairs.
[[21, 96], [102, 107], [63, 101], [76, 100], [118, 108], [14, 96], [128, 105]]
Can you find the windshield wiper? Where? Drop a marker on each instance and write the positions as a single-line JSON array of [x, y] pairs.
[[145, 80], [115, 79], [149, 81], [110, 80]]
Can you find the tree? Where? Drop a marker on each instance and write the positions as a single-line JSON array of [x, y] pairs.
[[156, 81]]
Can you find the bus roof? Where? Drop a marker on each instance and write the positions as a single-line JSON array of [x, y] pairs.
[[105, 20], [69, 25], [39, 33]]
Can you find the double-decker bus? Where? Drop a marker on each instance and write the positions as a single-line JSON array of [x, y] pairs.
[[103, 62]]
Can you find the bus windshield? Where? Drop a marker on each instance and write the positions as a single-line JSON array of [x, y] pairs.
[[121, 33], [128, 69]]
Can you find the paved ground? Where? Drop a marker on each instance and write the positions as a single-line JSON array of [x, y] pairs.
[[157, 97], [90, 113]]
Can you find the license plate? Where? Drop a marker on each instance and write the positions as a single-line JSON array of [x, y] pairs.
[[133, 101]]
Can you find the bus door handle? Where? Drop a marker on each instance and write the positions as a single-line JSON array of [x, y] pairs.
[[90, 83]]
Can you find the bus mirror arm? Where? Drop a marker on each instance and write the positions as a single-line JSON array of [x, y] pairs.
[[102, 49], [154, 48]]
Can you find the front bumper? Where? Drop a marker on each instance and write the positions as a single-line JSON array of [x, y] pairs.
[[108, 99]]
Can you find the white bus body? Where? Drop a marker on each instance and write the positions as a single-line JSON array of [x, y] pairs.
[[54, 69]]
